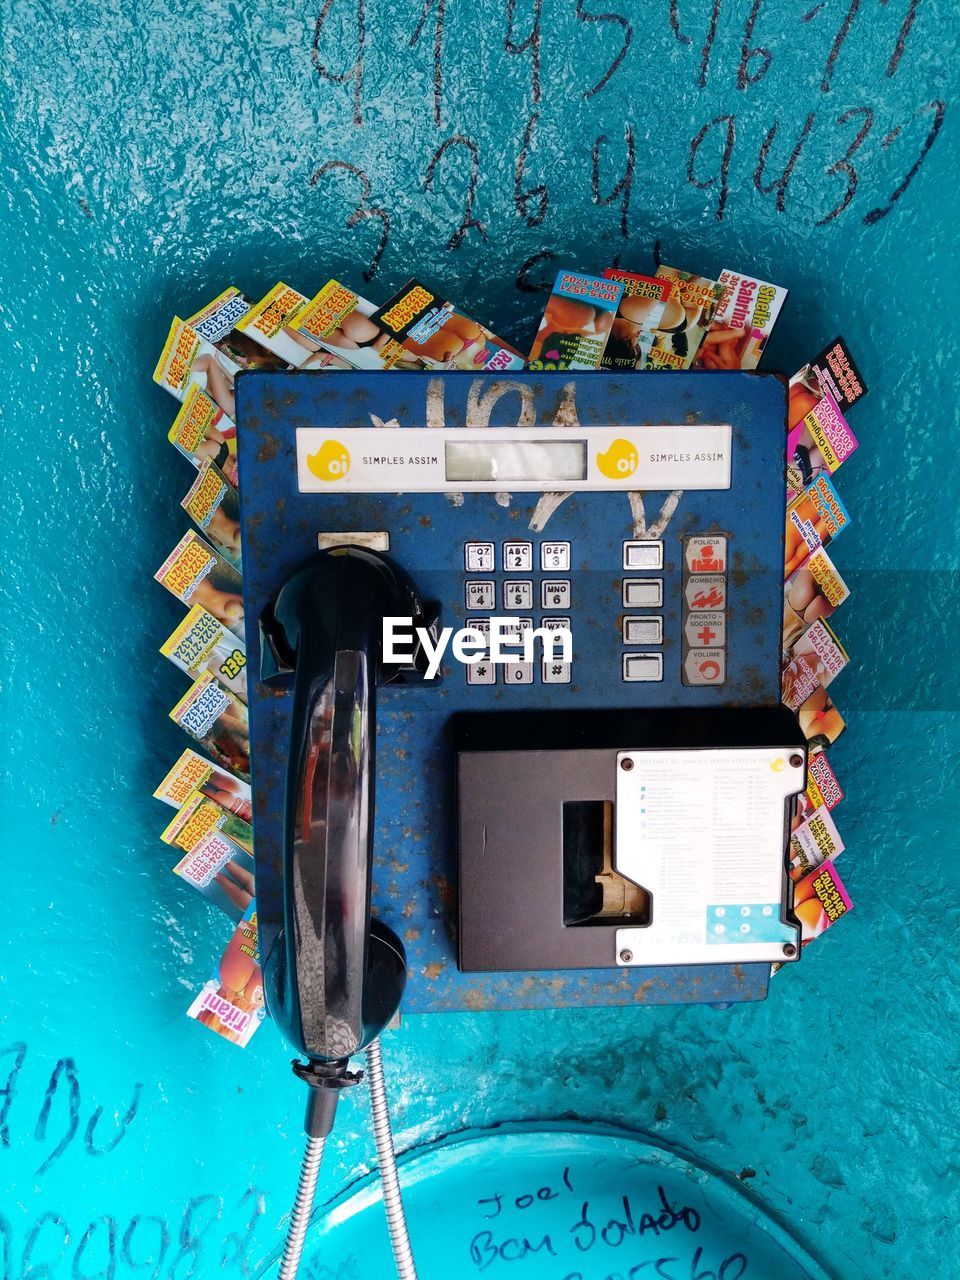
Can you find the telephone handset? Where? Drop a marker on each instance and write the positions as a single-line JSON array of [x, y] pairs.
[[333, 978]]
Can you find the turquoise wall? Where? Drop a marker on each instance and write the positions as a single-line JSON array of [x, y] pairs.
[[157, 152]]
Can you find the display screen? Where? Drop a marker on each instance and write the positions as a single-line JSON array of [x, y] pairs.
[[515, 460]]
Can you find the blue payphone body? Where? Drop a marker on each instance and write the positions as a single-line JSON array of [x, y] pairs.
[[643, 513]]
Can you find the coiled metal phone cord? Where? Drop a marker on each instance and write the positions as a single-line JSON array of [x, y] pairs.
[[320, 1112]]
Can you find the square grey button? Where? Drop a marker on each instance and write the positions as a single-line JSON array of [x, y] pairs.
[[642, 630], [643, 555], [642, 593], [642, 666]]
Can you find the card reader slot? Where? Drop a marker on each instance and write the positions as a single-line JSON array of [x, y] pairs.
[[594, 893]]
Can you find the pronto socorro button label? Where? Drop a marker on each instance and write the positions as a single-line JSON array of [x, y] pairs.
[[706, 629]]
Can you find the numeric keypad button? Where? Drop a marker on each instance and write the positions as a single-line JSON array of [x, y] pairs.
[[518, 673], [555, 593], [518, 594], [555, 557], [478, 557], [480, 594], [517, 557]]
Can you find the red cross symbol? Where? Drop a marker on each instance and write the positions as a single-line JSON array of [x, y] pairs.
[[706, 636]]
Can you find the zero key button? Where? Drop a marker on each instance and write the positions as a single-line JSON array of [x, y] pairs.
[[705, 666]]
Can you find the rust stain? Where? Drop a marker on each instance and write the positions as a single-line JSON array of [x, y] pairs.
[[448, 895], [408, 910], [269, 447], [433, 970], [425, 521], [412, 934], [477, 1001], [643, 990]]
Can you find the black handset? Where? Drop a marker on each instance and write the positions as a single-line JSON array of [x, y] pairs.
[[333, 978]]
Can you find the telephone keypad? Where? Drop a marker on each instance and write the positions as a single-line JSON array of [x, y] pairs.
[[702, 599]]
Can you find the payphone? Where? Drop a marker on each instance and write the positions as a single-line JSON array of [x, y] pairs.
[[602, 814]]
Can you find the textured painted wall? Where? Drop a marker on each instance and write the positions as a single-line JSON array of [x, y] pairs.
[[156, 152]]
